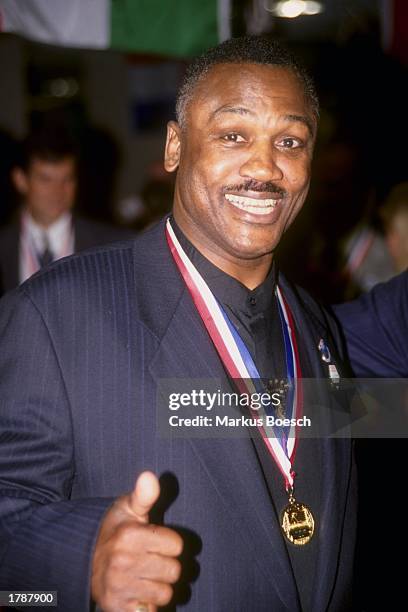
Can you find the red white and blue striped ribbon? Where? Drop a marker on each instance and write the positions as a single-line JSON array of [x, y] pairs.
[[237, 360]]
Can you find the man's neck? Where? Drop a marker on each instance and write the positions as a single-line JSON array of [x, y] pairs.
[[250, 272], [42, 220], [60, 222]]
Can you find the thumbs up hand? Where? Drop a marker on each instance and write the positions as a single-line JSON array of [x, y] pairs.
[[135, 562]]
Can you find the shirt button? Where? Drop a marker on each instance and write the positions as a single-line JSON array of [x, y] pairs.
[[252, 301]]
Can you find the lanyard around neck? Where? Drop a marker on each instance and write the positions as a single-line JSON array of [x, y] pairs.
[[280, 442]]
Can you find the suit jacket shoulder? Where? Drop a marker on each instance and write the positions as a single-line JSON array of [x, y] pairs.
[[375, 328], [89, 233]]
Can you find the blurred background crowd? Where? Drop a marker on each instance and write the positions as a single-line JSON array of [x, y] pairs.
[[87, 87]]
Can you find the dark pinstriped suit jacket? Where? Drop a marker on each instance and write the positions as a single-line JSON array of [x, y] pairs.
[[375, 327], [83, 345]]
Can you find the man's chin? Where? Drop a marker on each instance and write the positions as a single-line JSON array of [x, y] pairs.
[[250, 251]]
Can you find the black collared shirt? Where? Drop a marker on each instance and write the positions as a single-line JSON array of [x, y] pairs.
[[255, 315]]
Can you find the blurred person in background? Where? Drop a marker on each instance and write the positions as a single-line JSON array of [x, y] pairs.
[[46, 227], [375, 255], [367, 260], [156, 196], [394, 214]]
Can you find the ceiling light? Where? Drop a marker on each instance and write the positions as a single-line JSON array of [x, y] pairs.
[[293, 8]]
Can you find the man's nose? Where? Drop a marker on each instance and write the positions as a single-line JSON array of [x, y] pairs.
[[262, 163]]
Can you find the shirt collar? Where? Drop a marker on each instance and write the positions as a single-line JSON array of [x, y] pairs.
[[56, 234], [228, 290]]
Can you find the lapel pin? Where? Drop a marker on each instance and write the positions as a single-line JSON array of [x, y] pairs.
[[326, 357], [324, 351]]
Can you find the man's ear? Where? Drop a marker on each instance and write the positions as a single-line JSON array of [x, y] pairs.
[[173, 146], [19, 179]]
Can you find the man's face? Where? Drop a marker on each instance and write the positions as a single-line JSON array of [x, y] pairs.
[[243, 159], [48, 188]]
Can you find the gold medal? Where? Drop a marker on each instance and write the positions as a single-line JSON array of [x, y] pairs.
[[297, 522]]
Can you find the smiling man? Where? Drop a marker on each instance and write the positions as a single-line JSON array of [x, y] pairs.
[[243, 156], [270, 519]]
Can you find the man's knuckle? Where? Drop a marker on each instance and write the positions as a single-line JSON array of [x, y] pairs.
[[108, 602], [118, 561], [174, 570], [164, 593], [178, 545], [126, 530]]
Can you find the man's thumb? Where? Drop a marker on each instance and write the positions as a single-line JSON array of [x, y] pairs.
[[144, 495]]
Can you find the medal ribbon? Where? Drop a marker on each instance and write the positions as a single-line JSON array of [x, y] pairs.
[[281, 442]]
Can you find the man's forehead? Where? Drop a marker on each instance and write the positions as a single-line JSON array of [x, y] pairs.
[[217, 73], [234, 88], [237, 80], [38, 162]]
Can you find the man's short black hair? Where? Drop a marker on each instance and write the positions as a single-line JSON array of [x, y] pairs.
[[48, 143], [243, 50]]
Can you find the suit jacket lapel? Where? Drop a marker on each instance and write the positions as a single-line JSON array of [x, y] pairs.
[[336, 471]]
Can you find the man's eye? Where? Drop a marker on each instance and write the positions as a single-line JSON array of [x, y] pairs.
[[290, 143], [233, 137]]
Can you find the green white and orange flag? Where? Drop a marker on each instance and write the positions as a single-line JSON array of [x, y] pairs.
[[176, 28]]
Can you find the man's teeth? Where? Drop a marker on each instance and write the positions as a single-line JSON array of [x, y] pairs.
[[253, 205]]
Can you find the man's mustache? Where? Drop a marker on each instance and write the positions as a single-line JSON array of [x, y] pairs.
[[251, 185]]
